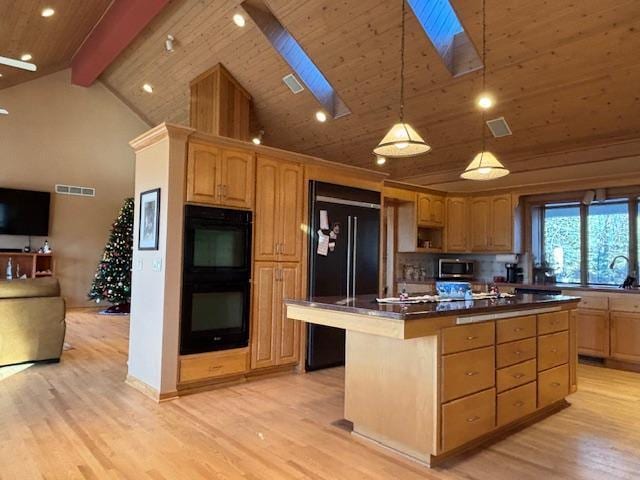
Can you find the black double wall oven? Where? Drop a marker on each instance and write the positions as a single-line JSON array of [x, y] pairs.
[[216, 280]]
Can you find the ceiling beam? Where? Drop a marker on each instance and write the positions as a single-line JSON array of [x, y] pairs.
[[117, 28]]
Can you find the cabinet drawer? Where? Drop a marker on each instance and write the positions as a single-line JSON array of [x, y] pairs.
[[517, 328], [203, 366], [627, 302], [515, 352], [594, 302], [467, 372], [516, 375], [553, 322], [468, 418], [553, 385], [467, 337], [553, 350], [516, 403]]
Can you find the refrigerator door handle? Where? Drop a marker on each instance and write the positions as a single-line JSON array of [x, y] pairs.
[[355, 251], [348, 256]]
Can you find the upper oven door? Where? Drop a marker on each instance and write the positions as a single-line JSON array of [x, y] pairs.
[[213, 247]]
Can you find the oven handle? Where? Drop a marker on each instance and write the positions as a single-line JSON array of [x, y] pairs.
[[348, 255]]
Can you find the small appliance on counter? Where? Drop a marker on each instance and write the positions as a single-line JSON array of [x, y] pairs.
[[514, 273], [456, 268]]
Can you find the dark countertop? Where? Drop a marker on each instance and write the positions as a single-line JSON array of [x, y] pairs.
[[367, 305], [571, 286]]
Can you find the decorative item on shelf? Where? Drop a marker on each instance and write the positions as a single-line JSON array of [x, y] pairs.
[[112, 281], [9, 270], [402, 140], [46, 248], [485, 165]]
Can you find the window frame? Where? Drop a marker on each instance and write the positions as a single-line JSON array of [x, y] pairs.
[[534, 228]]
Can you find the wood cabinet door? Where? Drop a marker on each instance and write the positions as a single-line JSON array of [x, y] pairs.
[[237, 178], [265, 310], [437, 211], [290, 211], [288, 346], [479, 223], [424, 209], [457, 225], [266, 227], [625, 336], [203, 174], [501, 234], [593, 332]]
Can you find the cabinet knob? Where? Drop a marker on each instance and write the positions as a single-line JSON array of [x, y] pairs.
[[554, 350], [471, 337], [518, 329], [519, 403], [517, 352], [518, 376], [555, 384], [475, 418], [471, 374]]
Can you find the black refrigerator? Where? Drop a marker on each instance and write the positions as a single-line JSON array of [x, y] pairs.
[[343, 259]]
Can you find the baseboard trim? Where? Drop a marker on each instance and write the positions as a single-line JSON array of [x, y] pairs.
[[148, 391]]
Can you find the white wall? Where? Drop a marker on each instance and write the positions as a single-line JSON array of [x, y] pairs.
[[60, 133]]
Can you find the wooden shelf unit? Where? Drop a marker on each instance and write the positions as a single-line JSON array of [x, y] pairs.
[[32, 264]]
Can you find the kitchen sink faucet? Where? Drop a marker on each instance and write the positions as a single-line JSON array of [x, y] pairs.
[[630, 281]]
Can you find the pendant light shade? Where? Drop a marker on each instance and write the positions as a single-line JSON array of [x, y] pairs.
[[484, 166], [401, 141]]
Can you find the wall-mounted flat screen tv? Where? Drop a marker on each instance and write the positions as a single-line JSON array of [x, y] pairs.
[[24, 212]]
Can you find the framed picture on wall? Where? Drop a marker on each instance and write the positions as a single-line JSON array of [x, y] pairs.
[[149, 229]]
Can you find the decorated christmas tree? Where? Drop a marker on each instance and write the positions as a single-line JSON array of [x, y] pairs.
[[112, 281]]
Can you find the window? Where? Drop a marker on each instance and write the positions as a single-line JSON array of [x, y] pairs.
[[608, 237], [578, 243], [562, 245]]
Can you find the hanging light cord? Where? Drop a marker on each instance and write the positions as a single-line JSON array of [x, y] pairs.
[[484, 75], [402, 67]]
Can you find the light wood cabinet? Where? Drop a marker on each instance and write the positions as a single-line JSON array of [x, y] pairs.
[[457, 225], [491, 223], [431, 210], [279, 211], [593, 332], [203, 366], [625, 336], [275, 340], [219, 176]]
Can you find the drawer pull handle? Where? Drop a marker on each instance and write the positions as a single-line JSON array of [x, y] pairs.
[[471, 374], [518, 329], [471, 337], [214, 367], [518, 404], [555, 384], [554, 350], [473, 419], [517, 352], [518, 376]]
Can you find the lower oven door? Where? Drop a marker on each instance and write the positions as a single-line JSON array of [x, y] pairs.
[[214, 317]]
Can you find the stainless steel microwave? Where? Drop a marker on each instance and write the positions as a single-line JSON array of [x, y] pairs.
[[456, 268]]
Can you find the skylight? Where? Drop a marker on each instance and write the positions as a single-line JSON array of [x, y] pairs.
[[292, 53], [441, 24]]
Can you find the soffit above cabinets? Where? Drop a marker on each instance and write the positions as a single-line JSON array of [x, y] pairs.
[[564, 75]]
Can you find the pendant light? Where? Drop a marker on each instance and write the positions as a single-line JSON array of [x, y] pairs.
[[485, 165], [402, 140]]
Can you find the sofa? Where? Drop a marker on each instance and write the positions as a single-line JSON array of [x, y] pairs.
[[32, 321]]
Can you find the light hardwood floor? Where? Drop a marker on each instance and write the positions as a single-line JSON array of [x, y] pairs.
[[78, 419]]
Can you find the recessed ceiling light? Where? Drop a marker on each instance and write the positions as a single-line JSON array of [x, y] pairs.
[[380, 160], [485, 101], [239, 20], [321, 116], [47, 12], [147, 88], [26, 57]]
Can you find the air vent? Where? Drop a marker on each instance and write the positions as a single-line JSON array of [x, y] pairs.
[[499, 127], [293, 83], [73, 190]]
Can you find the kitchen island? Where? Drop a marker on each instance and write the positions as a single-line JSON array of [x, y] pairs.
[[431, 380]]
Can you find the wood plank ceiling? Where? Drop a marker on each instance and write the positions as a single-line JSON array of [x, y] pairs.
[[51, 41], [566, 75]]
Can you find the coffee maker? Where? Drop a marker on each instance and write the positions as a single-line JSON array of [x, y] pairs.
[[514, 273]]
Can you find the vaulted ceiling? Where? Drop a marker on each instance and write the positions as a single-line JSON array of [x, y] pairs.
[[565, 73], [51, 41]]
